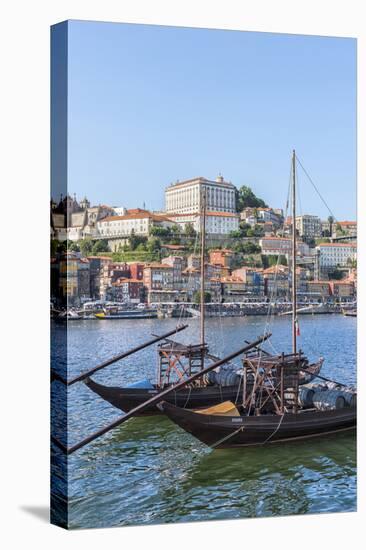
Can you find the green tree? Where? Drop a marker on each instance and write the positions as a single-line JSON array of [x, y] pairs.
[[189, 230], [135, 240], [246, 198], [158, 231], [100, 246], [86, 246], [73, 246], [58, 247], [235, 234], [197, 297], [153, 244], [331, 222], [175, 229]]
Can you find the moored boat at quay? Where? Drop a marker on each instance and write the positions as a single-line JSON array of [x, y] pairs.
[[127, 314]]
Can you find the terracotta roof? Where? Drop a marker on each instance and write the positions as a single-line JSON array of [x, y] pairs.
[[173, 246], [137, 216], [276, 239], [335, 282], [191, 270], [126, 280], [231, 279], [276, 269], [99, 258], [221, 251], [137, 211]]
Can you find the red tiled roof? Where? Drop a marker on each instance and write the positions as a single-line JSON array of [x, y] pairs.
[[137, 216]]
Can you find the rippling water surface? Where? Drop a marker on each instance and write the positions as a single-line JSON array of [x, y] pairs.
[[150, 471]]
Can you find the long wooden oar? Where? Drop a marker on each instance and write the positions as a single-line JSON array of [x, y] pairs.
[[80, 377], [156, 399]]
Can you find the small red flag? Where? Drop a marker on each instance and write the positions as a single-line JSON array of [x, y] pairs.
[[297, 328]]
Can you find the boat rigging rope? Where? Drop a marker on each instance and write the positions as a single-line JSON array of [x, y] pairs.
[[274, 431], [316, 189], [274, 289], [228, 437]]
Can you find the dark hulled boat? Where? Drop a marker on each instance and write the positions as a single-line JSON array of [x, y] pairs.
[[127, 399], [236, 430], [191, 397]]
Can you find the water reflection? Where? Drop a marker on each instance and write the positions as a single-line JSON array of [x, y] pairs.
[[150, 471]]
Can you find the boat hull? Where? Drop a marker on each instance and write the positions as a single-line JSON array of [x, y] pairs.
[[242, 431], [127, 399]]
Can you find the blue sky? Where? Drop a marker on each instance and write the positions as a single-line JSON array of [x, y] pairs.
[[149, 105]]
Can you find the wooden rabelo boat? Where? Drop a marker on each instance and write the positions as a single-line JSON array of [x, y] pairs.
[[274, 407]]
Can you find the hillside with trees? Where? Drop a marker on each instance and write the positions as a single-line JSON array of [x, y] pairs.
[[247, 199]]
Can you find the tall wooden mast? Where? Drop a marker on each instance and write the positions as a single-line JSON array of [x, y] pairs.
[[293, 263], [202, 292]]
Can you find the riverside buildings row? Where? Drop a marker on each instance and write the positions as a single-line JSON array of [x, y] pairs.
[[177, 279]]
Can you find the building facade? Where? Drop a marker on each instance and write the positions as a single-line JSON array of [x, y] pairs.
[[217, 223], [309, 227], [332, 255], [186, 197], [137, 222]]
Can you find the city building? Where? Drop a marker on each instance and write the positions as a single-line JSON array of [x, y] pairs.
[[342, 290], [345, 228], [136, 270], [332, 255], [128, 291], [136, 222], [178, 263], [309, 227], [110, 272], [276, 282], [317, 290], [97, 264], [253, 279], [73, 279], [282, 246], [221, 256], [158, 276], [185, 197], [233, 289], [217, 223]]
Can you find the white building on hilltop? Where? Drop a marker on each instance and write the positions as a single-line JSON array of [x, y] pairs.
[[183, 204], [185, 197]]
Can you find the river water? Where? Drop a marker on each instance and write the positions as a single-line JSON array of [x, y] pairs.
[[150, 471]]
